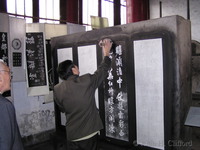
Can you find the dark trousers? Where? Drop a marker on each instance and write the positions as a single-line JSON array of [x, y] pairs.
[[88, 144]]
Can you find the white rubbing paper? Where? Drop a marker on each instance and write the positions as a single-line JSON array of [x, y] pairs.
[[87, 58], [148, 62], [64, 54]]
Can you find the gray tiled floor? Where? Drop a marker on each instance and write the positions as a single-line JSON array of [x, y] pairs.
[[60, 146]]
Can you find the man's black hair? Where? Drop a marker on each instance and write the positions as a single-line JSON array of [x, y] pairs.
[[65, 69]]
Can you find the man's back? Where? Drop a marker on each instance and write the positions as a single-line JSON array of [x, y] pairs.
[[77, 98]]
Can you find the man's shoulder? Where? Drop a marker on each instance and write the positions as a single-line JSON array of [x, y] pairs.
[[5, 102], [60, 85], [73, 80], [3, 99], [85, 77], [77, 79], [57, 86]]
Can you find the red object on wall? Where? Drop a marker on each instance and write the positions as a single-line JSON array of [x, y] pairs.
[[3, 6], [137, 10], [71, 11]]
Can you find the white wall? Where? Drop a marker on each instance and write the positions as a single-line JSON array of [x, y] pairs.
[[33, 115], [178, 7]]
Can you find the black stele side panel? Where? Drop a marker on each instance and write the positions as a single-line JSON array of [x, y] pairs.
[[115, 98], [4, 47], [35, 59], [4, 53]]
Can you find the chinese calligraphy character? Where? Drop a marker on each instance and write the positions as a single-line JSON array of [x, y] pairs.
[[121, 115], [111, 118], [110, 83], [4, 47], [119, 50], [30, 40], [121, 124], [120, 105], [121, 133], [111, 109], [119, 71], [111, 91], [32, 76], [119, 61], [120, 96], [31, 64], [110, 55], [119, 81], [3, 37], [111, 128], [110, 76], [30, 52], [110, 101]]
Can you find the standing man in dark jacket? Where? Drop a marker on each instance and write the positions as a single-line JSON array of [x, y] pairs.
[[10, 138], [76, 97]]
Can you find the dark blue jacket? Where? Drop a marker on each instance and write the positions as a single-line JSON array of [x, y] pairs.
[[10, 138]]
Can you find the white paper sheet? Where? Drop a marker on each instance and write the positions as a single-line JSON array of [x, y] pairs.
[[87, 58], [148, 61]]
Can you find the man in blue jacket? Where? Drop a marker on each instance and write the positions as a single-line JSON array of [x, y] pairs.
[[10, 138], [75, 96]]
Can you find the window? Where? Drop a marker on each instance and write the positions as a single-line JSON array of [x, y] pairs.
[[90, 8], [49, 9], [123, 12], [23, 8], [11, 6], [108, 11], [29, 10]]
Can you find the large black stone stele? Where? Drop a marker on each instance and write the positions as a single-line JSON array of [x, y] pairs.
[[148, 109]]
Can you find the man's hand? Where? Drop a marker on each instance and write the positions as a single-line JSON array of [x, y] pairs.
[[106, 45]]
